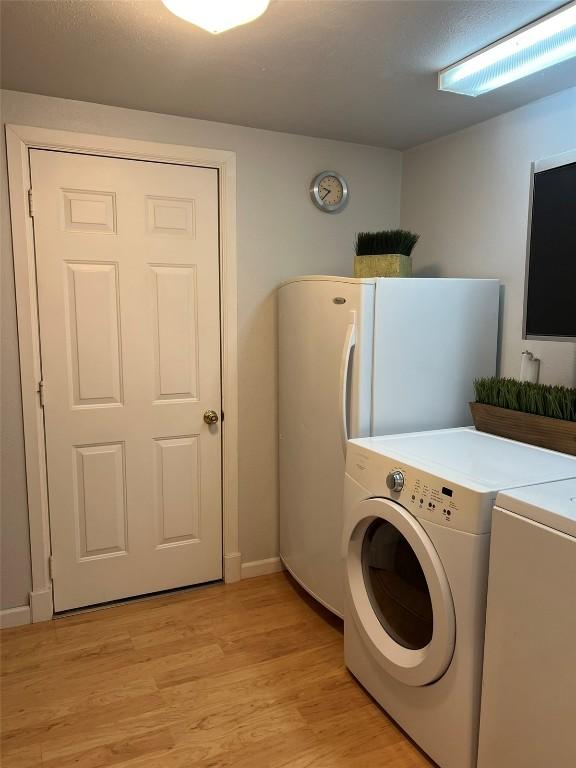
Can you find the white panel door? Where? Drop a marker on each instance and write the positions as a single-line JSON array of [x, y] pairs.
[[128, 292]]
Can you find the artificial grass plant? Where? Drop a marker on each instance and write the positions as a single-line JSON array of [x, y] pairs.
[[388, 241], [556, 402]]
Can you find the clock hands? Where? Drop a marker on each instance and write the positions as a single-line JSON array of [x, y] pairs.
[[328, 191]]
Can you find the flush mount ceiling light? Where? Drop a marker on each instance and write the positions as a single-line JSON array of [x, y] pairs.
[[547, 41], [217, 15]]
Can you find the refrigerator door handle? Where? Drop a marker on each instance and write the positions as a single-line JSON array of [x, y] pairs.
[[349, 344]]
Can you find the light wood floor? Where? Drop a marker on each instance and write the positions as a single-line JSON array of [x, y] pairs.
[[248, 675]]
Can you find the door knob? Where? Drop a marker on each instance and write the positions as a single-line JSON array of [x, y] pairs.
[[210, 417]]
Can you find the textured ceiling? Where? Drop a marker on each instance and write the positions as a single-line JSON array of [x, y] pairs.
[[357, 71]]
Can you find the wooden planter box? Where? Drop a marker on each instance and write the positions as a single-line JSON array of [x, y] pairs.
[[383, 265], [555, 434]]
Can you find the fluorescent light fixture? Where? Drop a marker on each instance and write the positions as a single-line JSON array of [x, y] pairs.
[[217, 15], [542, 44]]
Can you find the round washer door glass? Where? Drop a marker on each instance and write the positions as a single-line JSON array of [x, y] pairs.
[[398, 596], [396, 586]]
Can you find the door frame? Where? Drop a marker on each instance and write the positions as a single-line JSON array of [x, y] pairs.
[[19, 140]]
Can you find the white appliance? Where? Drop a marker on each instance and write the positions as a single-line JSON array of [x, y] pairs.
[[363, 357], [528, 714], [417, 512]]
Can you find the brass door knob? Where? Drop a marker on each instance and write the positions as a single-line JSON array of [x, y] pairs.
[[210, 417]]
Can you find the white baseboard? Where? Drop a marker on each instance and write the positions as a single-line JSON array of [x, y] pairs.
[[261, 567], [14, 617]]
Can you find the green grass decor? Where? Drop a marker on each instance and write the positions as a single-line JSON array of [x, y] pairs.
[[541, 399], [397, 241]]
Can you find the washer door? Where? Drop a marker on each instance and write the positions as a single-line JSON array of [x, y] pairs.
[[399, 594]]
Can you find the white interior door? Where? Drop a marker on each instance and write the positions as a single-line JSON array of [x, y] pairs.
[[128, 293]]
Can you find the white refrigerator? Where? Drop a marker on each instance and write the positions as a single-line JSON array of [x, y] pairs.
[[360, 357]]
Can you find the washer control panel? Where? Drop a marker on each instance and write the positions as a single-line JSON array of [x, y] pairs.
[[425, 495], [433, 497]]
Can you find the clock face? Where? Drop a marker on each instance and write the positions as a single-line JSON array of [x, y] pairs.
[[329, 191]]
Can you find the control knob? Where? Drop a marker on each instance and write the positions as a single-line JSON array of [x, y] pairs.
[[395, 480]]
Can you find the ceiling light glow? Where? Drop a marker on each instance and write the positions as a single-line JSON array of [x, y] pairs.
[[542, 44], [217, 15]]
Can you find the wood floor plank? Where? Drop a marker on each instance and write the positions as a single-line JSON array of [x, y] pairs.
[[156, 742], [40, 710], [111, 686], [29, 756], [249, 675], [81, 725], [212, 736]]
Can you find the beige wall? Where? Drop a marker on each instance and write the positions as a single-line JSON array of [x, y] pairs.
[[467, 196], [280, 234]]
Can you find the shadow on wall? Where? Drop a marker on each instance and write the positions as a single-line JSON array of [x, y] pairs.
[[431, 271], [258, 431]]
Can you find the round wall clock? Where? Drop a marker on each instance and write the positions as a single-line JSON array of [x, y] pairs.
[[329, 191]]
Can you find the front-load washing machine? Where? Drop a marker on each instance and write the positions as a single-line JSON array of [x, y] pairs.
[[416, 545]]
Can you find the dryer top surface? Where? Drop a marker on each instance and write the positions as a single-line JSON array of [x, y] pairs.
[[550, 504], [482, 462]]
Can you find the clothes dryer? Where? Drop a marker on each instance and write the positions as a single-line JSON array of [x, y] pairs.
[[417, 516]]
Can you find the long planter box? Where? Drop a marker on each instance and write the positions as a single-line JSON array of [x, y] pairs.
[[555, 434], [383, 265]]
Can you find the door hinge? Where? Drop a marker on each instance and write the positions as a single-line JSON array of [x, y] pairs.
[[51, 566], [30, 203], [221, 415], [41, 392]]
